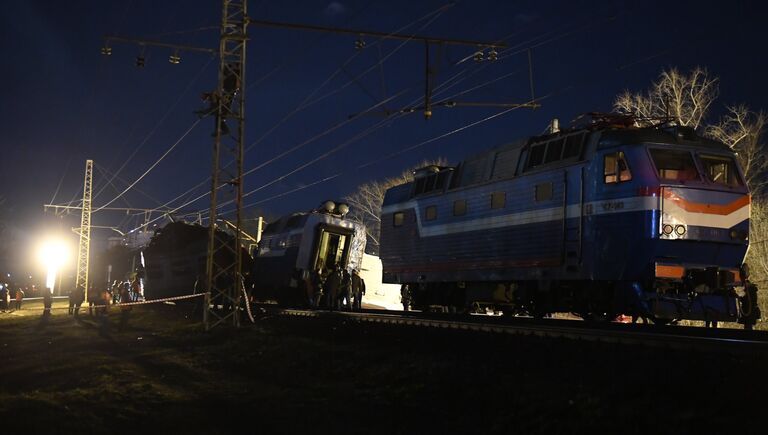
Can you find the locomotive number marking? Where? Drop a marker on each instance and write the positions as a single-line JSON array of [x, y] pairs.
[[612, 205]]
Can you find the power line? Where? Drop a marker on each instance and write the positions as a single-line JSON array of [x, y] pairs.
[[151, 167], [158, 124]]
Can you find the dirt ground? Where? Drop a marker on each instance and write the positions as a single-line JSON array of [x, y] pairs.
[[162, 373]]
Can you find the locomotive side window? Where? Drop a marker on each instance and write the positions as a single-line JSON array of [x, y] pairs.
[[498, 200], [573, 145], [615, 168], [721, 170], [674, 165], [430, 213], [543, 192], [554, 150], [536, 155], [460, 207], [398, 219]]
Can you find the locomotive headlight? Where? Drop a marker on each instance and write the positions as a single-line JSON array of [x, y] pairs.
[[667, 229], [680, 230]]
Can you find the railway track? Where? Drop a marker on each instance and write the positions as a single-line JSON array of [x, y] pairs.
[[673, 337]]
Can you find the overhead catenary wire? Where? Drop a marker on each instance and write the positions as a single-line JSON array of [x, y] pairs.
[[159, 123], [305, 103], [561, 91], [465, 126], [61, 180], [199, 197], [168, 151], [105, 172]]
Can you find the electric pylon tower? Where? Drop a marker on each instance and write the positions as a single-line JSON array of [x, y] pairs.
[[224, 259], [85, 230]]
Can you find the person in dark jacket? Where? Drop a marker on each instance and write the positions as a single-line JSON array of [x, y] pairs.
[[358, 289], [47, 302], [19, 297], [345, 291], [125, 311], [405, 296], [4, 297], [316, 283], [332, 284]]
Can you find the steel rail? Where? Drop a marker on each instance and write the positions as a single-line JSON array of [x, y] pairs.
[[664, 337]]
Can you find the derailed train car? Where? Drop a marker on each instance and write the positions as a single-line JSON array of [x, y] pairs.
[[621, 215], [294, 246]]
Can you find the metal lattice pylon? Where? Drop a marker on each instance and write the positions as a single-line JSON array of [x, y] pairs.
[[224, 260], [84, 231]]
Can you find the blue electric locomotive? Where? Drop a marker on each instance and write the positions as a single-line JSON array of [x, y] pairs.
[[621, 215]]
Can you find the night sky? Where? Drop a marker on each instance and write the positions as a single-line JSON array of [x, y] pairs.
[[64, 103]]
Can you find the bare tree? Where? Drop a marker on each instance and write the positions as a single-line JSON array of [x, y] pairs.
[[684, 97], [741, 129], [365, 202]]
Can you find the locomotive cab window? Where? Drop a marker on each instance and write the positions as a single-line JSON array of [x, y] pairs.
[[398, 218], [674, 165], [536, 155], [721, 170], [615, 168]]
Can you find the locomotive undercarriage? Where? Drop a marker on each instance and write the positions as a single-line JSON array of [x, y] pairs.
[[698, 297], [532, 298]]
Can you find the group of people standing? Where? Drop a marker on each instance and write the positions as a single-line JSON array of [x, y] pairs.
[[10, 297], [99, 300], [336, 289]]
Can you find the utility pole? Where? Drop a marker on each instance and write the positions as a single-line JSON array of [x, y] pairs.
[[224, 260], [83, 251]]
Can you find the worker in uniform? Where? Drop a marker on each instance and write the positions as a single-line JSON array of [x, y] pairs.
[[358, 289], [405, 296]]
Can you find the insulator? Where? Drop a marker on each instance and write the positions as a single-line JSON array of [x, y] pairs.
[[106, 51], [359, 44], [493, 55], [140, 61], [478, 56], [174, 59]]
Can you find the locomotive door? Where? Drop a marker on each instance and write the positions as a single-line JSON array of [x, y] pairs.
[[332, 247], [573, 193]]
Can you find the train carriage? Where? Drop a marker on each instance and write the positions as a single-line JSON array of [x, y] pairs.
[[297, 244], [622, 215]]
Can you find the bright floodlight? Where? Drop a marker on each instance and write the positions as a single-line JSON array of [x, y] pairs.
[[53, 254]]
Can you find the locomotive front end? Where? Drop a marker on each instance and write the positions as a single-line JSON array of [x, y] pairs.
[[701, 234]]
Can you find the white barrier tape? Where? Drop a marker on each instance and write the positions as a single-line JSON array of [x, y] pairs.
[[247, 302], [154, 301], [37, 298]]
